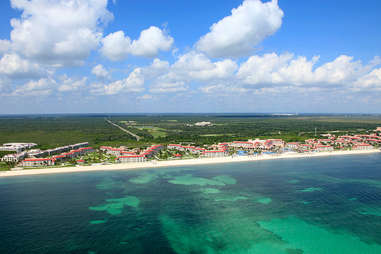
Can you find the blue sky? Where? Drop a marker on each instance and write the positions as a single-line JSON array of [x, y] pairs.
[[77, 56]]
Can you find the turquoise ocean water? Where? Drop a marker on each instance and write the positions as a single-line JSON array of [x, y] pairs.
[[314, 205]]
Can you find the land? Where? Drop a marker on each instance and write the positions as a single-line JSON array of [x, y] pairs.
[[58, 130], [178, 139]]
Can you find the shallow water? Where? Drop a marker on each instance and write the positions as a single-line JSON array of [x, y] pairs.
[[292, 206]]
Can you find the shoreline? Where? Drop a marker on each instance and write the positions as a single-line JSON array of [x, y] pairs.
[[173, 163]]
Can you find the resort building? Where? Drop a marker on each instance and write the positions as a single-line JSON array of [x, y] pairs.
[[362, 147], [37, 162], [242, 144], [274, 143], [32, 162], [176, 147], [305, 147], [131, 158], [151, 151], [62, 149], [190, 149], [36, 153], [16, 157], [293, 145], [214, 154], [16, 147], [112, 151], [202, 124], [324, 148], [324, 141], [127, 153]]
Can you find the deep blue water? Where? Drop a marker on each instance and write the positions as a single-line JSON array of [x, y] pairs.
[[291, 206]]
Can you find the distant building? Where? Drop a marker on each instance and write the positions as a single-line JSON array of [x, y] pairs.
[[36, 153], [14, 157], [112, 151], [274, 143], [131, 158], [176, 147], [242, 144], [203, 124], [37, 162], [305, 147], [214, 154], [323, 148], [151, 151], [362, 147], [16, 147], [33, 162], [292, 145]]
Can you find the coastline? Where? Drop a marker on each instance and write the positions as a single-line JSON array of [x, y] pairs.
[[188, 162]]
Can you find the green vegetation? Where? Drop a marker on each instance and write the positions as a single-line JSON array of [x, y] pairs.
[[53, 131], [4, 166], [155, 132]]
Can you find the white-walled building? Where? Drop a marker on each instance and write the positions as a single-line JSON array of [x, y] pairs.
[[362, 147], [131, 158], [214, 154], [324, 148], [37, 162], [16, 157], [16, 147], [293, 145]]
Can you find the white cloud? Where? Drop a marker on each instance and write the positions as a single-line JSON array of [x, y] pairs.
[[14, 66], [150, 42], [370, 81], [69, 84], [173, 87], [188, 68], [227, 89], [4, 46], [58, 32], [39, 87], [237, 35], [197, 66], [286, 69], [133, 84], [117, 46], [100, 72]]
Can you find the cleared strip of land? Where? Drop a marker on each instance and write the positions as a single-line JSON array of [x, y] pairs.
[[123, 129], [157, 164]]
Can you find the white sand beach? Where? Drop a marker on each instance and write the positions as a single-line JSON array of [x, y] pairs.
[[169, 163]]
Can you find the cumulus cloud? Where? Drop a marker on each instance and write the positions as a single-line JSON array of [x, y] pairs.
[[69, 84], [14, 66], [58, 32], [173, 87], [133, 83], [286, 69], [196, 66], [117, 46], [39, 87], [188, 68], [4, 46], [100, 72], [237, 35], [371, 80]]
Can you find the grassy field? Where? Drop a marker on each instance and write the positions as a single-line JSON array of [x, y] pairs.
[[52, 131], [156, 132]]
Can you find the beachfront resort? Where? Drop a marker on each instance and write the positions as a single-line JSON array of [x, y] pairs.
[[26, 155]]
